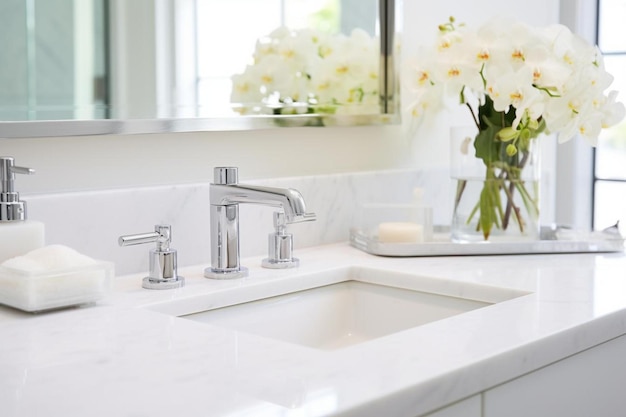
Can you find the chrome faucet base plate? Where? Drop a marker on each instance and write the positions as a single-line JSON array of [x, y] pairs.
[[152, 284], [280, 264], [214, 274]]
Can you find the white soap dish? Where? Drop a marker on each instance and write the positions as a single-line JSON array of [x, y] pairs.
[[52, 289]]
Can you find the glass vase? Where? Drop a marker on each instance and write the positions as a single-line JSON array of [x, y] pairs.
[[495, 201]]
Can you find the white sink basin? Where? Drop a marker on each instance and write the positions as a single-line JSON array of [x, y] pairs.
[[342, 307]]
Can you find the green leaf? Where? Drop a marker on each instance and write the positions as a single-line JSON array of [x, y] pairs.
[[487, 210], [487, 145], [507, 134], [488, 116]]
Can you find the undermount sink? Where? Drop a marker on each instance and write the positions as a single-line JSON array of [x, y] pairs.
[[346, 306]]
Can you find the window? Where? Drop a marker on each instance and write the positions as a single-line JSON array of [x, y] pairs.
[[609, 185]]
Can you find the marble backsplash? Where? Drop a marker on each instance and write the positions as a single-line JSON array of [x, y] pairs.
[[92, 221]]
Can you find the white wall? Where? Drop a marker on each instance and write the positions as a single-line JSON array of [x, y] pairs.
[[102, 162]]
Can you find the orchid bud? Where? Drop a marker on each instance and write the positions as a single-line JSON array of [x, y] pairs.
[[511, 149], [507, 134], [533, 124]]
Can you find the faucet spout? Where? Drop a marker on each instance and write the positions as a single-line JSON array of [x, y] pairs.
[[290, 200], [225, 196]]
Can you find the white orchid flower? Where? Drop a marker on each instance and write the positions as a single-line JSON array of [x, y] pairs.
[[428, 101], [547, 75], [612, 111], [512, 88]]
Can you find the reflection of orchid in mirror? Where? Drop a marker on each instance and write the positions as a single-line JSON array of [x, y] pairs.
[[307, 71]]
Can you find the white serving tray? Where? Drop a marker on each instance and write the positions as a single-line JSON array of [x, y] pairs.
[[572, 242]]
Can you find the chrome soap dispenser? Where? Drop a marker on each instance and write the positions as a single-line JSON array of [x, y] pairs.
[[18, 235]]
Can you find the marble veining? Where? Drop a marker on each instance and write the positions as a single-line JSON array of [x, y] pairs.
[[91, 222]]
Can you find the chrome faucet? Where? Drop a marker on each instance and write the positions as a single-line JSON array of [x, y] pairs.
[[225, 195]]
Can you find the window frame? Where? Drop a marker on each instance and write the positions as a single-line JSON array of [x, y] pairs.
[[596, 178], [575, 160]]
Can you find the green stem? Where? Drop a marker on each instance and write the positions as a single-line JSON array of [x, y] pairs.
[[529, 202], [460, 187], [473, 213], [473, 115], [510, 206]]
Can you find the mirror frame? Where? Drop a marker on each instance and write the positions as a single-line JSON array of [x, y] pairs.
[[389, 99]]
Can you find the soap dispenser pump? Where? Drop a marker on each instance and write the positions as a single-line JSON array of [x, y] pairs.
[[18, 235]]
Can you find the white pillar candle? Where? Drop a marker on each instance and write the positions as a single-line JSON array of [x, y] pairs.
[[400, 232]]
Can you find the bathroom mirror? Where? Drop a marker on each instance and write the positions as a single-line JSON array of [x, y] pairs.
[[87, 67]]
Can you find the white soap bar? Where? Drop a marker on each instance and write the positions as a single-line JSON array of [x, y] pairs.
[[20, 237], [400, 232], [49, 258]]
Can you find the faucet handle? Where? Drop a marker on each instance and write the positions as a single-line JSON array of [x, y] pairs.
[[163, 260], [306, 217], [280, 249]]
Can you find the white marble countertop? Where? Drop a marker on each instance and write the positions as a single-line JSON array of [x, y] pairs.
[[122, 358]]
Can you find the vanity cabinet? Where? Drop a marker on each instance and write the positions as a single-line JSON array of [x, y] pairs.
[[469, 407], [590, 383]]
